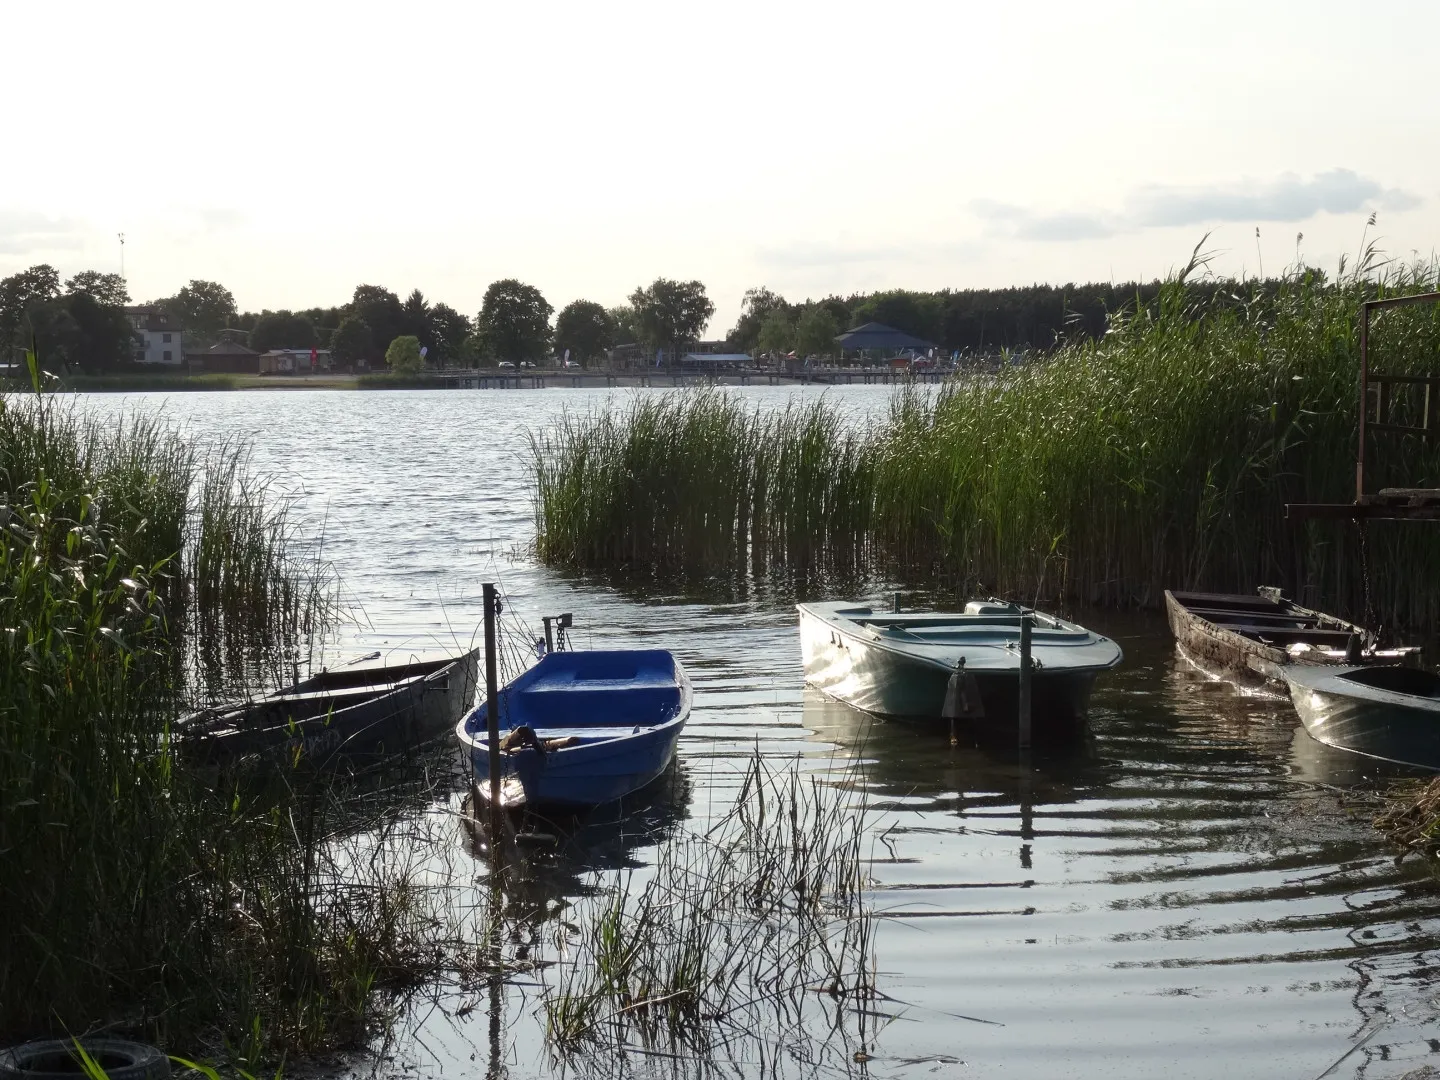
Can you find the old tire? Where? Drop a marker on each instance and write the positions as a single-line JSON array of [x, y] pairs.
[[56, 1059]]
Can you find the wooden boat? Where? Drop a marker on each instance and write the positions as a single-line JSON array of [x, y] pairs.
[[583, 728], [1391, 713], [370, 710], [1251, 638], [905, 665]]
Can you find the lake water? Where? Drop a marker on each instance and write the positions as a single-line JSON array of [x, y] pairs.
[[1197, 893]]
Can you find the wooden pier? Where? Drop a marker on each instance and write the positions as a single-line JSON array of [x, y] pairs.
[[490, 379]]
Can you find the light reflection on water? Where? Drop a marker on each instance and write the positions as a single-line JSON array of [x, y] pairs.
[[1194, 892]]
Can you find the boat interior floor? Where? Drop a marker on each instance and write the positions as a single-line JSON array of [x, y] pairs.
[[1416, 682]]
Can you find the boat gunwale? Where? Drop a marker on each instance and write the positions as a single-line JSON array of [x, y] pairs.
[[836, 621], [1328, 679], [478, 740], [215, 726]]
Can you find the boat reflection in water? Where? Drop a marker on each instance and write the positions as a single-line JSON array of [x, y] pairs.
[[1313, 762], [910, 767], [555, 852]]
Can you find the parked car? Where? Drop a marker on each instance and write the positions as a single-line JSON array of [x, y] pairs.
[[506, 364], [526, 363]]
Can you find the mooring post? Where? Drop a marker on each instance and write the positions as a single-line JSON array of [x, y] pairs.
[[549, 635], [897, 603], [1024, 694], [492, 710]]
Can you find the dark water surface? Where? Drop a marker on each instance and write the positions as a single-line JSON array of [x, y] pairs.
[[1196, 892]]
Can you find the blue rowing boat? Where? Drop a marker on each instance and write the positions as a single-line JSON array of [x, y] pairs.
[[583, 728]]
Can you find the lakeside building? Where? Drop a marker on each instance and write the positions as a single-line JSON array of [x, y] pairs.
[[229, 357], [159, 337], [715, 361], [294, 361], [637, 356]]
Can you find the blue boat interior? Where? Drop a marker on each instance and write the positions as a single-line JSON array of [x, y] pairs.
[[591, 696]]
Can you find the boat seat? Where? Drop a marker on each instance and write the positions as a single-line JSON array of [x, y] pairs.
[[1231, 615], [1309, 637], [588, 734], [551, 707]]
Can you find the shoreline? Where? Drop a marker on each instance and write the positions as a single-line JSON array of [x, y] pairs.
[[477, 379]]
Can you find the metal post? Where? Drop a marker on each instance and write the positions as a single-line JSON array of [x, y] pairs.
[[1364, 400], [492, 708], [897, 603], [549, 635], [1024, 694]]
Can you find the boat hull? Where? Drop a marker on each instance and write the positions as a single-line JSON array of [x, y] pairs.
[[879, 680], [1241, 657], [1393, 727], [584, 776], [625, 709], [355, 712]]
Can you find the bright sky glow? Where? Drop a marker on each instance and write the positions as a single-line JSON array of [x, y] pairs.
[[294, 150]]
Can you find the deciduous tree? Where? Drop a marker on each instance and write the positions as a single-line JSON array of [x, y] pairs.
[[403, 355], [586, 329], [282, 330], [514, 321], [382, 311], [204, 308], [776, 334], [627, 327], [671, 313], [352, 342], [106, 289], [19, 292], [757, 305], [815, 332], [448, 331]]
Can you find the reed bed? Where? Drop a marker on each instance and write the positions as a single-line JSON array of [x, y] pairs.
[[698, 481], [201, 910], [752, 934], [1159, 456]]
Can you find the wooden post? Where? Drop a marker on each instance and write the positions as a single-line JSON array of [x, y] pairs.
[[492, 709], [897, 603], [1024, 694]]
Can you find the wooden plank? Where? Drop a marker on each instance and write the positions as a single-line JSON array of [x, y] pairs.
[[1427, 494], [1309, 637], [1365, 511], [1397, 429]]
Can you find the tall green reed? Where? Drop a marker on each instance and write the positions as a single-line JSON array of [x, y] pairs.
[[138, 572], [698, 481], [1159, 456]]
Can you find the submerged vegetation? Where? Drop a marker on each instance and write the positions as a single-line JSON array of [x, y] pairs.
[[238, 913], [1159, 456]]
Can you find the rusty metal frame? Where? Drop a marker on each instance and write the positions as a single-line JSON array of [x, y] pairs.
[[1403, 503]]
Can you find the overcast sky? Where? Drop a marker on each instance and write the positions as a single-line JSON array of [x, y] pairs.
[[294, 150]]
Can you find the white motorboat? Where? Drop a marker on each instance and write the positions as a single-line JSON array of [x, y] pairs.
[[907, 664]]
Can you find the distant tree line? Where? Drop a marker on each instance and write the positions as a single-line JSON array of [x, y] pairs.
[[81, 322], [78, 324], [965, 320]]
